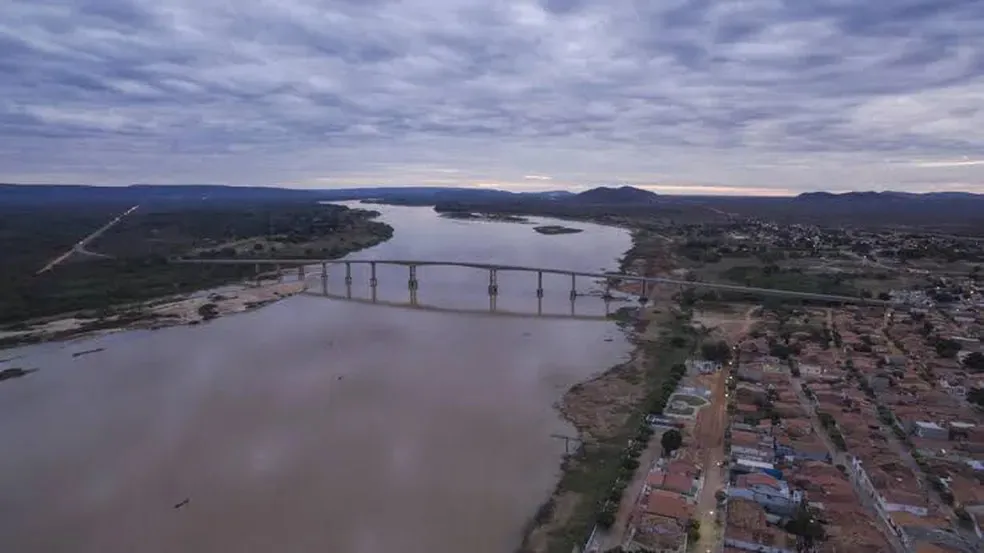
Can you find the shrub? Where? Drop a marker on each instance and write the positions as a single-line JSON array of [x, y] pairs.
[[630, 464]]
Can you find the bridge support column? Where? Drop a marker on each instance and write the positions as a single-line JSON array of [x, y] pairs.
[[539, 285], [493, 283], [373, 282], [412, 284], [493, 289]]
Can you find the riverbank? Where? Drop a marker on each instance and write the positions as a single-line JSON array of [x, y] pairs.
[[607, 411], [161, 313], [133, 266]]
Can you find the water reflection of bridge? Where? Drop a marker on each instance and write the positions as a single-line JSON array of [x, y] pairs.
[[492, 309], [609, 281]]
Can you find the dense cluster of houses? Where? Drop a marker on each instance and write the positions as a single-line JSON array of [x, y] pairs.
[[782, 468], [857, 438], [928, 477]]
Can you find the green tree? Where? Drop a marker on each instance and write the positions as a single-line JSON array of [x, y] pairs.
[[671, 441], [975, 361], [208, 311], [693, 531], [718, 351], [946, 347], [807, 529], [976, 395]]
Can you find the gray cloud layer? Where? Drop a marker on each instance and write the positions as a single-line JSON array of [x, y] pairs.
[[761, 95]]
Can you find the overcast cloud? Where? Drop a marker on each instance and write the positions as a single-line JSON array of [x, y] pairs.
[[714, 96]]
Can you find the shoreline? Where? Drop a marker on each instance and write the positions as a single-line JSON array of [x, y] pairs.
[[183, 310], [159, 312], [605, 411]]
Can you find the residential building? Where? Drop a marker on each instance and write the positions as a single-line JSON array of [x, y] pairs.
[[772, 494]]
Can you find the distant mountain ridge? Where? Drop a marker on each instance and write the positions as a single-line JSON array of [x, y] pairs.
[[889, 195], [620, 195], [21, 194]]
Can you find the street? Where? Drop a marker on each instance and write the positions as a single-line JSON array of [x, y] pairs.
[[79, 247]]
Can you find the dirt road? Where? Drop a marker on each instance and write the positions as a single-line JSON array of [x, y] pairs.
[[79, 247], [709, 441]]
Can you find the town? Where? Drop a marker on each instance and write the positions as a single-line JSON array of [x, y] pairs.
[[820, 427]]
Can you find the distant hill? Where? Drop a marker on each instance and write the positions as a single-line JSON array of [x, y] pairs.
[[23, 194], [944, 211], [623, 195], [870, 196]]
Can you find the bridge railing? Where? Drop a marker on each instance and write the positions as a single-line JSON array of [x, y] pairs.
[[610, 278]]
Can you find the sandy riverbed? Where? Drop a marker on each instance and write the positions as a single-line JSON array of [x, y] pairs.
[[159, 314]]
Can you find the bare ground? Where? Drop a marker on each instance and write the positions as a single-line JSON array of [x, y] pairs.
[[598, 408], [160, 313]]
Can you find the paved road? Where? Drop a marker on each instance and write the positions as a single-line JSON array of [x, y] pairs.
[[80, 246]]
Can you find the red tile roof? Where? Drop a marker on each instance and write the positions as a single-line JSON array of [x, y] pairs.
[[668, 504]]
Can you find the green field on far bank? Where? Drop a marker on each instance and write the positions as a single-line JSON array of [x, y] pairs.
[[133, 265]]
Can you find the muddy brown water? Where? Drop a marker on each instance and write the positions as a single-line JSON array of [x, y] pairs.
[[315, 424]]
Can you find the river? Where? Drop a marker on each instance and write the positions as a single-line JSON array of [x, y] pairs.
[[315, 424]]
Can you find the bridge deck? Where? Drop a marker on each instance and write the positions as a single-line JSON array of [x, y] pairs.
[[545, 270]]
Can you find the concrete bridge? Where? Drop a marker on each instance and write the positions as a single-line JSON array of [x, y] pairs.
[[493, 269]]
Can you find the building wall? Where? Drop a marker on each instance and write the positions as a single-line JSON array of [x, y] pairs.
[[774, 501], [935, 433], [750, 546]]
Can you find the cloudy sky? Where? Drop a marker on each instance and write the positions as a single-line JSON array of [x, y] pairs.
[[686, 96]]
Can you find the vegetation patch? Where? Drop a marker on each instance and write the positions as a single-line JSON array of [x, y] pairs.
[[592, 483], [557, 229], [139, 248]]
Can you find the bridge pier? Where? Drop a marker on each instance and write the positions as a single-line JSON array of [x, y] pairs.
[[412, 284], [493, 289], [373, 282], [493, 283]]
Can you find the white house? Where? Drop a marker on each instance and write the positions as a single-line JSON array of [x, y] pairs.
[[772, 494]]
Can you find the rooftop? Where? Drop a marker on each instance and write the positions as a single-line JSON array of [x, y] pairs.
[[668, 504], [745, 514], [758, 479]]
